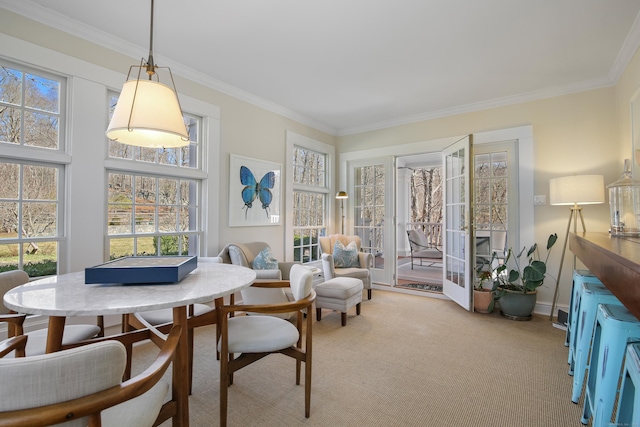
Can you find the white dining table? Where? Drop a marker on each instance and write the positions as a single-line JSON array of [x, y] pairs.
[[67, 295]]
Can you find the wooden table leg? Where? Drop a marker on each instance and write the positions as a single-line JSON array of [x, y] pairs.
[[180, 383], [54, 333]]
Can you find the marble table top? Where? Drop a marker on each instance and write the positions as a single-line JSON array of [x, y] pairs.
[[68, 295]]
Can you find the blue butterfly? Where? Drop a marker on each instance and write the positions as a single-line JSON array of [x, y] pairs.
[[255, 189]]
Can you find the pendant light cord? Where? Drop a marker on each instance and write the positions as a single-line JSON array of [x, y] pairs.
[[151, 67]]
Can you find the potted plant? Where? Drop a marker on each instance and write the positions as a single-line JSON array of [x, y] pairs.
[[483, 297], [517, 290]]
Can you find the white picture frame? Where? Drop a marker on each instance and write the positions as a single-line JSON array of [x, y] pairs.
[[254, 192]]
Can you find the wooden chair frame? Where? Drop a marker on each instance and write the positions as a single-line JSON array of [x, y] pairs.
[[229, 364]]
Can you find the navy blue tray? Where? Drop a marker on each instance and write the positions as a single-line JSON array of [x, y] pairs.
[[142, 270]]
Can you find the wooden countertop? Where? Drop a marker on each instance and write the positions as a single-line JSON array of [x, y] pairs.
[[615, 261]]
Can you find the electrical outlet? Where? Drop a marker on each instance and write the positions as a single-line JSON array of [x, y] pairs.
[[540, 200]]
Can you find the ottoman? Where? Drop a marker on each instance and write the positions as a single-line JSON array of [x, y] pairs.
[[339, 294]]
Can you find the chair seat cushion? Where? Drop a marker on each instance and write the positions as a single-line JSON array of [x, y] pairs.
[[257, 334], [340, 288], [358, 273], [165, 315], [428, 253]]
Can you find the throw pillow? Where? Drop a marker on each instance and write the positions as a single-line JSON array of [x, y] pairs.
[[265, 260], [345, 257]]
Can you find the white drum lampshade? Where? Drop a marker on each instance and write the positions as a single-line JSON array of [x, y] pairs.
[[148, 114]]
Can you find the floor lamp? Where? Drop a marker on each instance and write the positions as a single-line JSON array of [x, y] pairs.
[[342, 195], [574, 191]]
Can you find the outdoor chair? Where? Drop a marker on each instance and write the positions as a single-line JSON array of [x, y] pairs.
[[349, 262], [423, 250], [259, 334]]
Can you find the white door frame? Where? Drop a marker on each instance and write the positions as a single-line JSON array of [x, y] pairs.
[[524, 135]]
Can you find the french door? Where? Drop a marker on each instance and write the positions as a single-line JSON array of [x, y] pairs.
[[372, 213], [457, 274]]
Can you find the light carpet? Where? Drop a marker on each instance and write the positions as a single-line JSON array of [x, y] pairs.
[[405, 361]]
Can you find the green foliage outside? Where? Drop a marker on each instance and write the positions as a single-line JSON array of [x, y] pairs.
[[37, 269], [169, 245]]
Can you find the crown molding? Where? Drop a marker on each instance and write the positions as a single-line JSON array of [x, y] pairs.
[[482, 105], [629, 48]]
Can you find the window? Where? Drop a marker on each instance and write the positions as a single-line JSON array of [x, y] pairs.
[[32, 105], [309, 202], [157, 212], [491, 202]]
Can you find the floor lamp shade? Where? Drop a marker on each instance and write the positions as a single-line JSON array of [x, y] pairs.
[[577, 189], [148, 114]]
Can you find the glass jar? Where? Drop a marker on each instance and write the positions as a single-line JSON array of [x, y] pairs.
[[624, 204]]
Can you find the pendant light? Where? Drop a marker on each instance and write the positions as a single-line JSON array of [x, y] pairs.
[[148, 113]]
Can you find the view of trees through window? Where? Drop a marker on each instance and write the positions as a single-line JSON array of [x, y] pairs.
[[426, 195], [30, 106], [309, 202]]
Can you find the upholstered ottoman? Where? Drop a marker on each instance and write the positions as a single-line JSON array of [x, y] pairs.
[[339, 294]]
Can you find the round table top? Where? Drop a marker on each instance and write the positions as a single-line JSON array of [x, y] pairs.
[[68, 295]]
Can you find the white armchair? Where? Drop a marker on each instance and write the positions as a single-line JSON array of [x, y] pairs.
[[362, 269], [251, 255], [83, 386]]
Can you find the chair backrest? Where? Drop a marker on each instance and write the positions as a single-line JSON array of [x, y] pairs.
[[8, 281], [327, 243], [418, 240], [84, 383], [301, 281], [242, 253], [36, 381]]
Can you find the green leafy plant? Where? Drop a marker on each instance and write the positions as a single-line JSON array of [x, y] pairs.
[[526, 275]]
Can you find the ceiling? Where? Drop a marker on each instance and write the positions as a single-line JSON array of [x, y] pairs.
[[347, 66]]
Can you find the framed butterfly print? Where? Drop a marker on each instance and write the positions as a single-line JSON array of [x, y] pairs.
[[254, 192]]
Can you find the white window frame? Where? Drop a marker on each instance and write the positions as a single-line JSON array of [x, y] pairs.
[[46, 157], [136, 166], [295, 140]]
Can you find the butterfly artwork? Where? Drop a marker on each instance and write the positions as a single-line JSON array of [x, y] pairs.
[[256, 189]]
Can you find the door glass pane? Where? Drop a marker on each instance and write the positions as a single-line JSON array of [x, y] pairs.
[[369, 209]]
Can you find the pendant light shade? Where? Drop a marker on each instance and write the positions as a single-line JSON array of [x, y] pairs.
[[148, 115]]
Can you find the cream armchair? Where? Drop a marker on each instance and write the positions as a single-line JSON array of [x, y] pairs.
[[364, 263], [252, 255]]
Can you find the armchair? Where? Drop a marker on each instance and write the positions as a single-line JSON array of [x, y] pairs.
[[38, 339], [83, 386], [361, 271], [252, 255]]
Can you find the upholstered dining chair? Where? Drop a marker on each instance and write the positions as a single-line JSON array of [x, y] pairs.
[[342, 256], [258, 335], [162, 319], [38, 339], [83, 386]]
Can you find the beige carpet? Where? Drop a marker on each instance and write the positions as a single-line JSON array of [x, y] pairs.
[[405, 361]]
